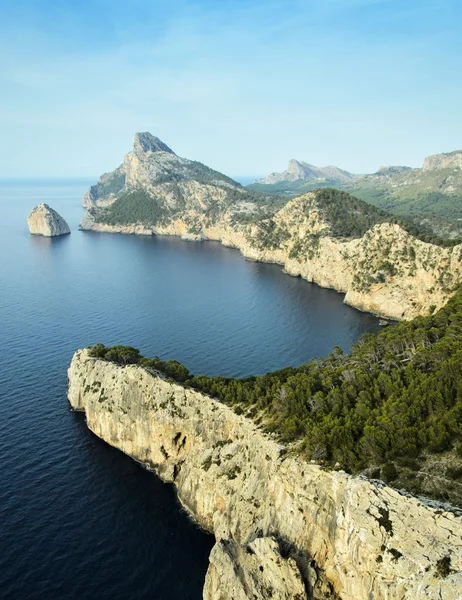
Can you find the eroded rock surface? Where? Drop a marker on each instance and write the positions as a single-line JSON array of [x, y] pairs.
[[256, 571], [45, 221], [335, 534]]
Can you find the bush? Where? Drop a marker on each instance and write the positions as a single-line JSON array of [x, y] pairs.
[[398, 394]]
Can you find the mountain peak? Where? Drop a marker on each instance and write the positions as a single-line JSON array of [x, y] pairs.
[[146, 142]]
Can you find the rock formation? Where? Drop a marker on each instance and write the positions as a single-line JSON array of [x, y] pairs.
[[45, 221], [154, 167], [384, 270], [447, 160], [284, 528]]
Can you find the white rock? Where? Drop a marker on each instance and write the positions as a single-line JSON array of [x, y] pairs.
[[45, 221], [362, 540]]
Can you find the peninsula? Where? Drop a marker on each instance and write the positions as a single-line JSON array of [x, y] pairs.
[[326, 236], [284, 528]]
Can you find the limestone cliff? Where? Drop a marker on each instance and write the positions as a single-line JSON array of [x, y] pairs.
[[337, 242], [284, 528], [45, 221], [152, 166]]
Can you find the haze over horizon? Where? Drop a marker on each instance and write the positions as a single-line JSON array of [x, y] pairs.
[[242, 87]]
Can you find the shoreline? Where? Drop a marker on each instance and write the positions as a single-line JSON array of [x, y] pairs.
[[356, 536], [141, 231]]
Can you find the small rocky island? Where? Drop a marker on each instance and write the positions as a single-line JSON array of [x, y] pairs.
[[45, 221]]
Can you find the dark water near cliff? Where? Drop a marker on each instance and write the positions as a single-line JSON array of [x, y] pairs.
[[78, 518]]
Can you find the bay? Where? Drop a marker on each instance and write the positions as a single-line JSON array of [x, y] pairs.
[[78, 518]]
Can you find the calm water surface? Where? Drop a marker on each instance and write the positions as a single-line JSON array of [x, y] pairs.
[[78, 518]]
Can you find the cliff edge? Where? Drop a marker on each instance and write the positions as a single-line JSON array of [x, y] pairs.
[[284, 528]]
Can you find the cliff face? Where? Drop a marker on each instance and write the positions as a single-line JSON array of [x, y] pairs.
[[45, 221], [284, 528], [155, 168], [382, 269]]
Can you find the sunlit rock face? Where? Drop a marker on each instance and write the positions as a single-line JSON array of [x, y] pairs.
[[284, 528], [45, 221]]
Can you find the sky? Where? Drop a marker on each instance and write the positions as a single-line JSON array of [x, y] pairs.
[[240, 85]]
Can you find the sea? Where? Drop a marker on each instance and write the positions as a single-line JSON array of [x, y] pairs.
[[79, 519]]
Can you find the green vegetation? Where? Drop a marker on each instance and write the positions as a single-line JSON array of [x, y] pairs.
[[411, 200], [397, 396], [270, 235], [350, 217], [203, 174], [292, 188], [443, 567], [347, 216], [111, 183], [133, 207]]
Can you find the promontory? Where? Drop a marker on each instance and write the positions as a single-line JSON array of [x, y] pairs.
[[43, 220], [381, 263], [284, 528]]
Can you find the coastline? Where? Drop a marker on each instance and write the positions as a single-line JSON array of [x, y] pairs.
[[402, 297], [358, 537]]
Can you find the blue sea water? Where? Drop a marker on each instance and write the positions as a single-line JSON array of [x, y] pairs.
[[78, 518]]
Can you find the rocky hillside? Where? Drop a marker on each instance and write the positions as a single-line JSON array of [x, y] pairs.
[[436, 188], [153, 183], [284, 528], [325, 236], [431, 196]]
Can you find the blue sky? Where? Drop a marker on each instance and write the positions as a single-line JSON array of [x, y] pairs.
[[242, 86]]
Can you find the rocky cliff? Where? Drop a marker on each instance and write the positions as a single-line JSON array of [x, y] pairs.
[[283, 528], [178, 182], [326, 237], [45, 221]]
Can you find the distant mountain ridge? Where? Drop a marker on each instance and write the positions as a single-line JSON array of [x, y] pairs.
[[303, 170], [431, 194]]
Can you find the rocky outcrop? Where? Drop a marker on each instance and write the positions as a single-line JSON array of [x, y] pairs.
[[284, 528], [447, 160], [257, 570], [45, 221]]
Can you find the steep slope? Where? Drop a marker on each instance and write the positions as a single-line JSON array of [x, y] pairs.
[[153, 184], [279, 522], [326, 236]]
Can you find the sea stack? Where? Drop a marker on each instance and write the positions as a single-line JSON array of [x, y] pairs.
[[45, 221]]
